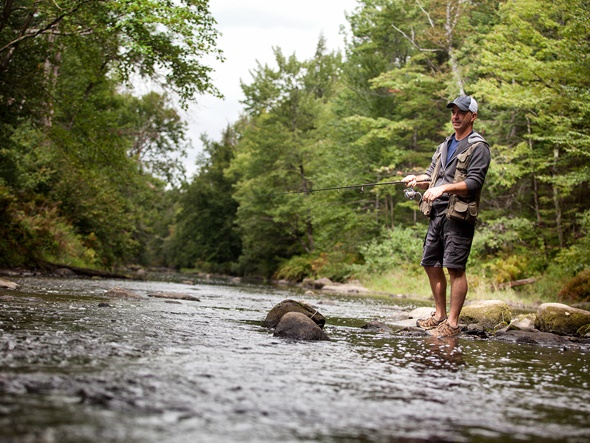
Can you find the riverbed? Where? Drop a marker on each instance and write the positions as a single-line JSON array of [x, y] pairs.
[[76, 366]]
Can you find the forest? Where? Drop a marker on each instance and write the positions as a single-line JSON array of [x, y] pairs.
[[91, 172]]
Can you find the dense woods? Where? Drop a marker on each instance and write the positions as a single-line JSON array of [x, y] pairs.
[[90, 174]]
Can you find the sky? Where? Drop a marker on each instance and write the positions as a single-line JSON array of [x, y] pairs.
[[249, 31]]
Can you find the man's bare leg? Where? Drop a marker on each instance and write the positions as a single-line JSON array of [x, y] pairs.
[[458, 293], [438, 285]]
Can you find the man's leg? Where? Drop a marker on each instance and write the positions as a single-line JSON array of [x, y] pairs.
[[438, 285], [458, 293]]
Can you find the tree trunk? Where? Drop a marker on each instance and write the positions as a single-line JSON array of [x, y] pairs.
[[556, 203], [534, 175]]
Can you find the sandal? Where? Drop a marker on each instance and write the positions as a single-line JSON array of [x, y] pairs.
[[430, 322], [445, 330]]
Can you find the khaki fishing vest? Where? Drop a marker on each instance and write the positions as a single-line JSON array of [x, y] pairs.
[[462, 208]]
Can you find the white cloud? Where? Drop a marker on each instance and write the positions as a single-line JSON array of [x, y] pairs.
[[263, 19], [250, 29]]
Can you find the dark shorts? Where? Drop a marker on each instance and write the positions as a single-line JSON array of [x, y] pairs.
[[447, 243]]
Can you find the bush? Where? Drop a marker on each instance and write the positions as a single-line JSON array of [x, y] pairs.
[[577, 290], [396, 247], [295, 269]]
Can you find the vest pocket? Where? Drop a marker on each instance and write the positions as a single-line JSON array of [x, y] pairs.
[[460, 210]]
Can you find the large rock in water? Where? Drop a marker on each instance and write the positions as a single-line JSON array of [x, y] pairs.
[[561, 319], [298, 326], [7, 284], [277, 312], [489, 314]]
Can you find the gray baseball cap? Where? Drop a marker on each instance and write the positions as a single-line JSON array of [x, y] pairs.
[[464, 103]]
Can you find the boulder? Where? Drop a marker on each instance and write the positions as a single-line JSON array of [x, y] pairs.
[[64, 272], [278, 311], [298, 326], [418, 313], [346, 288], [117, 292], [561, 319], [315, 284], [490, 314], [525, 322], [323, 281], [7, 284]]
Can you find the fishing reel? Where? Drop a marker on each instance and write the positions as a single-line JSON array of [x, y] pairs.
[[412, 194]]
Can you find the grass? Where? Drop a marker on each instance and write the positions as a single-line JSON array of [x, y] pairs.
[[414, 283]]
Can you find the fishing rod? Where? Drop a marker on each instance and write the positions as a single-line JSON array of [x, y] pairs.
[[409, 193]]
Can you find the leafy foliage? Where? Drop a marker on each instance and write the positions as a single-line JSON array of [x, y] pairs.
[[91, 174], [82, 161]]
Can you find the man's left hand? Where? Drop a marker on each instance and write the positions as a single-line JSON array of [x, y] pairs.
[[433, 193]]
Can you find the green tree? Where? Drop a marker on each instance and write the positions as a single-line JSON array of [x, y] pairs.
[[276, 153], [67, 183], [535, 75], [204, 234]]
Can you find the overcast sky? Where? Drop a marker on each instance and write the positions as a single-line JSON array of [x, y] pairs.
[[250, 29]]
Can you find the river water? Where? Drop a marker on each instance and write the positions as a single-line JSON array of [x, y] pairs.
[[154, 370]]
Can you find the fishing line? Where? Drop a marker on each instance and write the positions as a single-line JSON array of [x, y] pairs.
[[361, 186]]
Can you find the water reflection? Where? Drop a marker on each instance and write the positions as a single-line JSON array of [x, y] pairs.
[[443, 353]]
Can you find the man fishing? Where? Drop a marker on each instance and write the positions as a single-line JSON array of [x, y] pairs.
[[454, 181]]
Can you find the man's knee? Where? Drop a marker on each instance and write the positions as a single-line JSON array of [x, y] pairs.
[[456, 273]]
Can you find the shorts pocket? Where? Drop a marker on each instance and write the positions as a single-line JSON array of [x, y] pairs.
[[457, 252]]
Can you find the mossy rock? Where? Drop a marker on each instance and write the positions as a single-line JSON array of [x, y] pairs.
[[561, 319], [488, 314]]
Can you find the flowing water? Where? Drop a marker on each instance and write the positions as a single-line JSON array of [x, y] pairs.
[[152, 370]]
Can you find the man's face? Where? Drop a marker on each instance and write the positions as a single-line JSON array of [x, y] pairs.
[[461, 120]]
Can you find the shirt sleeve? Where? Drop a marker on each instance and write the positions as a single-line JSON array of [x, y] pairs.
[[478, 168]]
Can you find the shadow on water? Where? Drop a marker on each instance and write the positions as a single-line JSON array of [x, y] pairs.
[[78, 367]]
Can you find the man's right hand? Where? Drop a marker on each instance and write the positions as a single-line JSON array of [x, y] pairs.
[[410, 180]]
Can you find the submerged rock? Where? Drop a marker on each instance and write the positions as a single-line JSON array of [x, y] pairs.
[[377, 326], [278, 311], [532, 337], [561, 319], [298, 326], [174, 296]]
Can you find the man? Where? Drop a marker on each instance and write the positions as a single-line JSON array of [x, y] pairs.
[[453, 181]]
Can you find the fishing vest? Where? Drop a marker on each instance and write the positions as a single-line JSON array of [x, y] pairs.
[[461, 208]]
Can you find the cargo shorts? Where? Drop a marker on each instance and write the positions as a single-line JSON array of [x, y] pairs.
[[447, 243]]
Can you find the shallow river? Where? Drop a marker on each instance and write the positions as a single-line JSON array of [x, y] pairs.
[[152, 370]]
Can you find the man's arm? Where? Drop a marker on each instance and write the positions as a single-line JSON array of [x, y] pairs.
[[448, 188]]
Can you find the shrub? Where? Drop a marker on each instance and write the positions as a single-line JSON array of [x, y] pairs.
[[396, 247], [295, 269], [577, 290]]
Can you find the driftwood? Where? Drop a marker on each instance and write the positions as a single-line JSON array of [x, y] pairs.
[[53, 267]]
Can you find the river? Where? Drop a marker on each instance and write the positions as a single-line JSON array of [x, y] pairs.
[[156, 370]]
